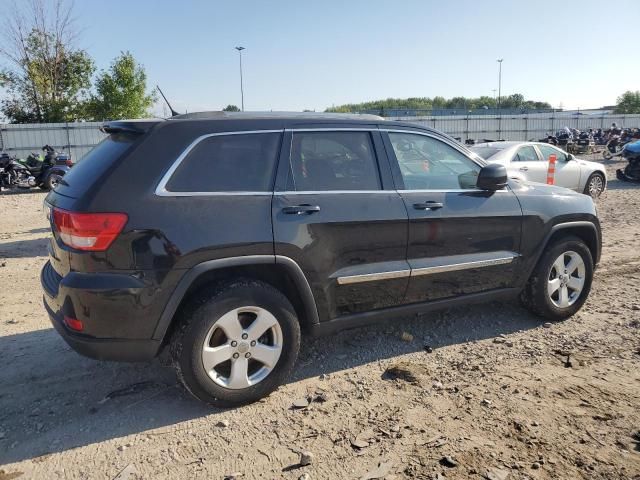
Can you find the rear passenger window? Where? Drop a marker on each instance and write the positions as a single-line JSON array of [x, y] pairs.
[[322, 161], [526, 154], [228, 163]]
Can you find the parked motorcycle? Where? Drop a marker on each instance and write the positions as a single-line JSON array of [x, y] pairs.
[[584, 143], [631, 153], [565, 139], [36, 170]]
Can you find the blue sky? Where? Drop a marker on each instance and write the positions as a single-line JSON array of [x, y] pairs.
[[302, 54]]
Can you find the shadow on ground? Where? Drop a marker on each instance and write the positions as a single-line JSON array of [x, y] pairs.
[[35, 247], [52, 399]]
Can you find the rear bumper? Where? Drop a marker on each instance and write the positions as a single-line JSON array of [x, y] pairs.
[[105, 348], [100, 302]]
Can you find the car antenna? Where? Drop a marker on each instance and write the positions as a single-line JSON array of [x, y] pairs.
[[173, 112]]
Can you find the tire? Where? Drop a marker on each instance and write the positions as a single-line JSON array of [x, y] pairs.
[[536, 295], [236, 306], [595, 185], [50, 183]]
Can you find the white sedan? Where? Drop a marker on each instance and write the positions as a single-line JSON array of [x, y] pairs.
[[530, 161]]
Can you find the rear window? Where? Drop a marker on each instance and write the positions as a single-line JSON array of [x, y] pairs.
[[228, 163], [95, 164], [485, 152]]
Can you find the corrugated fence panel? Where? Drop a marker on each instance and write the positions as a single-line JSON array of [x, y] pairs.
[[518, 127], [74, 138], [80, 138]]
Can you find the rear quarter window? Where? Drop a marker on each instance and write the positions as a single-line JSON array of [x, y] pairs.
[[228, 163]]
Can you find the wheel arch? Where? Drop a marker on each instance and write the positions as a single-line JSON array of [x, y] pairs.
[[586, 231], [281, 272]]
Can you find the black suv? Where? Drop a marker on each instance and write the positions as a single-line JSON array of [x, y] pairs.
[[221, 237]]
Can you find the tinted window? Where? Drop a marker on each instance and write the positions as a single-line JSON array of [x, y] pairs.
[[526, 154], [228, 163], [546, 151], [485, 152], [430, 164], [95, 164], [322, 161]]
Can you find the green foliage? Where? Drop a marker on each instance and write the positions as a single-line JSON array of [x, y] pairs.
[[425, 103], [121, 92], [49, 81], [231, 108], [628, 102]]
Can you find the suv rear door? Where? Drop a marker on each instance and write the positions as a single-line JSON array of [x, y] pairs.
[[462, 240], [337, 214]]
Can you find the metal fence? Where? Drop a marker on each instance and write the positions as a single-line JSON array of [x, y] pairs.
[[74, 138], [518, 127], [78, 138]]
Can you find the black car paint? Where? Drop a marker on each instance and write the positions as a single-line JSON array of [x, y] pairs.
[[127, 296]]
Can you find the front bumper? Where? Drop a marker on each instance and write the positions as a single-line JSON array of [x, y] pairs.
[[100, 304]]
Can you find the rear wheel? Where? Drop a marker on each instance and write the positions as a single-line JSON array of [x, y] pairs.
[[237, 344], [595, 185], [51, 182], [561, 281]]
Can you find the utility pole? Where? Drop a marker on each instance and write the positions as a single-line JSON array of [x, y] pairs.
[[239, 49]]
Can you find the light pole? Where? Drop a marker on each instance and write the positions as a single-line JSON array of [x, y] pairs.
[[239, 49], [499, 80], [499, 98]]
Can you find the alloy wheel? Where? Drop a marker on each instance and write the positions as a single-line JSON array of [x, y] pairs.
[[242, 347], [596, 186], [566, 279]]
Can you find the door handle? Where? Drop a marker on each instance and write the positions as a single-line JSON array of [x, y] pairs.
[[428, 205], [524, 169], [301, 209]]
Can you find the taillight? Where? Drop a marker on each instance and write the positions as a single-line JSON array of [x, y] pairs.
[[88, 231], [74, 324], [68, 162]]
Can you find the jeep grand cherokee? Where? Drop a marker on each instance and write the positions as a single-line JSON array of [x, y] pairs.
[[221, 237]]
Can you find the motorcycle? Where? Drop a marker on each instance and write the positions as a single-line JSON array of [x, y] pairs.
[[584, 143], [36, 170], [631, 153], [565, 140], [12, 172]]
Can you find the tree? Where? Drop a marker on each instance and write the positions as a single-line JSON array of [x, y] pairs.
[[628, 102], [121, 92], [47, 79], [231, 108], [460, 104]]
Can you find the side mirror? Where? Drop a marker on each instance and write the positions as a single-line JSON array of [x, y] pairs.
[[492, 177], [570, 157]]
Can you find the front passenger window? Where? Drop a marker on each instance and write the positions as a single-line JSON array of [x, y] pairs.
[[430, 164]]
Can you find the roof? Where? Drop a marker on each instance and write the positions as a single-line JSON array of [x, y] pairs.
[[499, 145], [275, 115]]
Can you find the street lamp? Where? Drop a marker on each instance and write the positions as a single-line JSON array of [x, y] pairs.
[[499, 81], [239, 49]]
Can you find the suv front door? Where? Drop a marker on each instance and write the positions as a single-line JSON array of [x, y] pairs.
[[462, 240], [336, 213]]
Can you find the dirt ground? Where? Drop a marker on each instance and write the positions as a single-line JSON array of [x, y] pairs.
[[484, 392]]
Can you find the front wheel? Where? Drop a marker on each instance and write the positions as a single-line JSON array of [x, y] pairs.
[[561, 281], [595, 185], [237, 344]]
